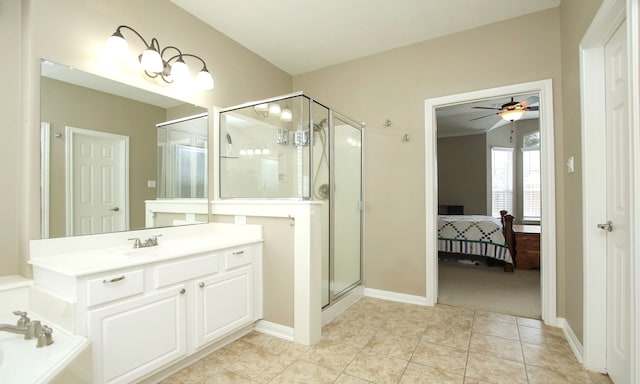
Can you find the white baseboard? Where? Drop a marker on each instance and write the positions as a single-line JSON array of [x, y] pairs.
[[395, 296], [572, 339], [274, 329]]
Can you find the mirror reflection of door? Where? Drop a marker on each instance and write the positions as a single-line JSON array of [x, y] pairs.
[[97, 166]]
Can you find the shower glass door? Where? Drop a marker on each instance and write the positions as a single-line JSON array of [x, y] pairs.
[[346, 210]]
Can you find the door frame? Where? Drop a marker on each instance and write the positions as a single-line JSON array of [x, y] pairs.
[[547, 157], [70, 133], [45, 177], [611, 14]]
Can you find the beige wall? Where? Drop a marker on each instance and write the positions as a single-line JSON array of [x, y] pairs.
[[394, 85], [74, 33], [462, 173], [11, 201], [576, 16]]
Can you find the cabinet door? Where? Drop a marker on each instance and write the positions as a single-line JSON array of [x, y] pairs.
[[223, 304], [137, 336]]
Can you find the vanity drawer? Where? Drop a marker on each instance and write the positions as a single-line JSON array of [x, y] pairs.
[[114, 287], [238, 257], [183, 270]]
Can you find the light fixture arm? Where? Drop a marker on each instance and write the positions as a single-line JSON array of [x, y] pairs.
[[155, 46], [204, 65]]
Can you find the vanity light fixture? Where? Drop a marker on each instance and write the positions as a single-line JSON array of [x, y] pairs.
[[158, 62]]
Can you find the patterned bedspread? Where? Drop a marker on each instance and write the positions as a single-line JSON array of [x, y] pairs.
[[474, 235]]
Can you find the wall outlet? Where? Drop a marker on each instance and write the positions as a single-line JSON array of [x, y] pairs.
[[151, 183], [241, 219]]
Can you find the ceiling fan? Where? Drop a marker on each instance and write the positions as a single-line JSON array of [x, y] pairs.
[[512, 110]]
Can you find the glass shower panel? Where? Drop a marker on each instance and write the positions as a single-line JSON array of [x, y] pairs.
[[261, 152], [347, 206], [182, 158]]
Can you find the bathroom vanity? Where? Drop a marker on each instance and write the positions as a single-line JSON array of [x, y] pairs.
[[144, 309]]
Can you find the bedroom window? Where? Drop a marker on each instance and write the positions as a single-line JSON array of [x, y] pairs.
[[501, 180], [531, 177]]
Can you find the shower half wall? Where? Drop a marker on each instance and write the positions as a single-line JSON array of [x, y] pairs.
[[295, 150]]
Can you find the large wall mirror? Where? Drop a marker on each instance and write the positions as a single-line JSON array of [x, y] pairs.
[[113, 156]]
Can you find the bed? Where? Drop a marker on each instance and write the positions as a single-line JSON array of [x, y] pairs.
[[476, 235]]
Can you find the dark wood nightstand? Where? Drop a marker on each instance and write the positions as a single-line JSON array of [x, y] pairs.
[[527, 246]]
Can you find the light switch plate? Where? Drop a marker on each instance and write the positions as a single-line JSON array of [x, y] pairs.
[[570, 165], [151, 183]]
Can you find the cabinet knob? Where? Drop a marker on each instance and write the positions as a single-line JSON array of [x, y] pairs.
[[201, 285], [182, 291]]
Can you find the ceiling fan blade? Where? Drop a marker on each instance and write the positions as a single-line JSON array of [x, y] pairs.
[[495, 109], [530, 100], [482, 117], [534, 108]]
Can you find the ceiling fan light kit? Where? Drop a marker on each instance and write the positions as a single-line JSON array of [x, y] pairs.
[[512, 110], [511, 114]]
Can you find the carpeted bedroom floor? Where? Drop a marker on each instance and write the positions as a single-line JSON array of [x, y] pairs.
[[489, 288]]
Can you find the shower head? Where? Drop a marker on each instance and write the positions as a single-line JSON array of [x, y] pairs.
[[319, 126]]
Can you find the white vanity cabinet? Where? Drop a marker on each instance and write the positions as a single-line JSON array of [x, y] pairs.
[[144, 315], [137, 336]]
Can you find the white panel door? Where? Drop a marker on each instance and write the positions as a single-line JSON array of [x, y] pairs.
[[97, 185], [618, 209]]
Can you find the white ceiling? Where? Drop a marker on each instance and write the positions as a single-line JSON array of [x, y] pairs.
[[299, 36]]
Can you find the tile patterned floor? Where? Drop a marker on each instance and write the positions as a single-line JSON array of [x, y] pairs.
[[377, 341]]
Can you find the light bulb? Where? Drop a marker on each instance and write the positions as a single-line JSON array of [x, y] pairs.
[[117, 46], [274, 109], [151, 61], [204, 79], [264, 107], [286, 115], [180, 71]]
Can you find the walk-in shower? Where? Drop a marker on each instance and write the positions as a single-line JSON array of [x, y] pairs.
[[293, 147]]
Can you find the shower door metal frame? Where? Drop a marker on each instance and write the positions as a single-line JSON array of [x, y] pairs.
[[333, 295]]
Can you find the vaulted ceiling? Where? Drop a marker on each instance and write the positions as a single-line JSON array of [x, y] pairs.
[[299, 36]]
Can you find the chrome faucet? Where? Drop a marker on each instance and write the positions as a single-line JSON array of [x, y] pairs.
[[45, 338], [150, 242], [136, 242], [30, 329]]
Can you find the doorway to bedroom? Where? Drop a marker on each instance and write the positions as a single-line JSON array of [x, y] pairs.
[[494, 153]]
